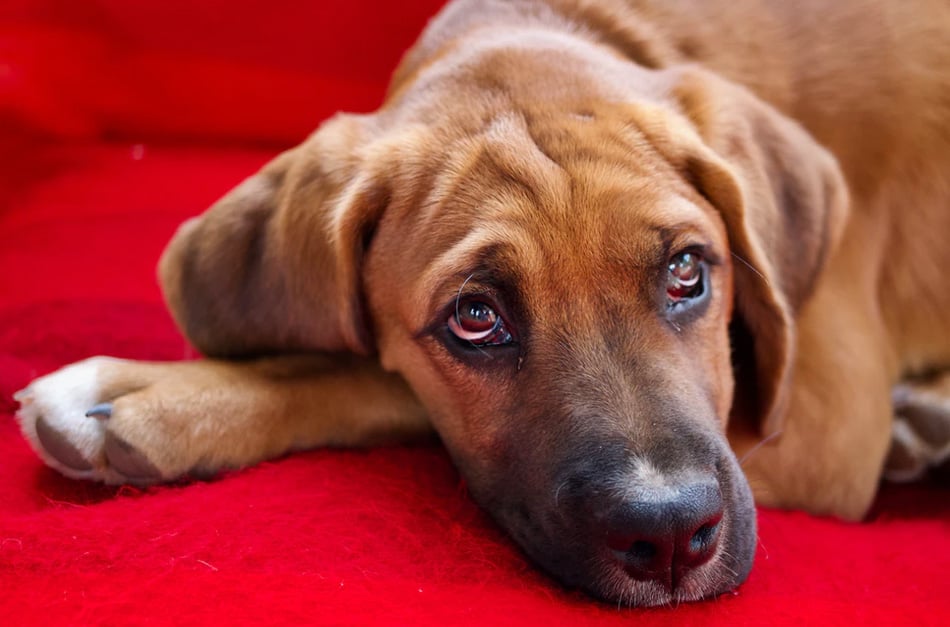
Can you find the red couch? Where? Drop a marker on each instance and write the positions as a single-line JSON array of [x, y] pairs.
[[118, 120]]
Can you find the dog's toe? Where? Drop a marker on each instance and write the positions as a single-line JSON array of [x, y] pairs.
[[130, 462], [58, 446]]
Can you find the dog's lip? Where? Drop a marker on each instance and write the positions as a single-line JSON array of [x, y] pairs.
[[622, 590]]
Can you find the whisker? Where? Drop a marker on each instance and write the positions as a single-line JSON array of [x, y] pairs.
[[731, 558], [750, 267], [759, 445], [557, 494]]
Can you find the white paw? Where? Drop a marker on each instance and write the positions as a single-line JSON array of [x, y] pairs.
[[53, 419]]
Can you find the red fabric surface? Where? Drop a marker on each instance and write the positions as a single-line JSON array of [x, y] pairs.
[[120, 119]]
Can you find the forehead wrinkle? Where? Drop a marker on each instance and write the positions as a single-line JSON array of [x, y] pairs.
[[520, 159], [494, 239], [461, 160], [641, 201], [678, 220], [501, 167], [604, 133], [604, 218]]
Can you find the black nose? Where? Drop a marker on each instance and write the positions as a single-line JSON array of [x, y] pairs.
[[662, 534]]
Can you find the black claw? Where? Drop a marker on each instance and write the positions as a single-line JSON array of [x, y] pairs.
[[100, 411]]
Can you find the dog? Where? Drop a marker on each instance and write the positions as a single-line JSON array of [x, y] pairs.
[[604, 249]]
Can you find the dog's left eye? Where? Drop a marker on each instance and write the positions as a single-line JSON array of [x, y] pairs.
[[479, 324], [685, 277]]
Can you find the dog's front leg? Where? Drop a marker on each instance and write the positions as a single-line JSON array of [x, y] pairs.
[[122, 421]]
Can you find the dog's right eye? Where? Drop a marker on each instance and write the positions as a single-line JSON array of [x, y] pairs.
[[477, 323]]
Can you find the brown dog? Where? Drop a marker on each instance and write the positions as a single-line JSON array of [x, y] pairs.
[[579, 239]]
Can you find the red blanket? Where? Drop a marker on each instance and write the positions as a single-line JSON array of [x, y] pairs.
[[118, 120]]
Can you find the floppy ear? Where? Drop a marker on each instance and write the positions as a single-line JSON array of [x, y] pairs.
[[784, 202], [274, 265]]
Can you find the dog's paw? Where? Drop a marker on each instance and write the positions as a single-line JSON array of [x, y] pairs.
[[69, 419], [921, 432]]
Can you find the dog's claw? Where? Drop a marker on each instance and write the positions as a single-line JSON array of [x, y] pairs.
[[102, 411], [23, 397]]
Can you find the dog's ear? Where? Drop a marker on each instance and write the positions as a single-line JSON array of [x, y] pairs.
[[274, 265], [784, 202]]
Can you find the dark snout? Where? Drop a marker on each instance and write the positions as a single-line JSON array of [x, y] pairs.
[[662, 534], [653, 525]]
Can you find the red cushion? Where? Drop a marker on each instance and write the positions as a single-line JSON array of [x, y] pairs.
[[135, 115]]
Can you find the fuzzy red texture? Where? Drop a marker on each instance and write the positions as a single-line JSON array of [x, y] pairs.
[[120, 122]]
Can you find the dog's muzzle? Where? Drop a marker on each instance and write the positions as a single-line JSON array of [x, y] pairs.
[[672, 524]]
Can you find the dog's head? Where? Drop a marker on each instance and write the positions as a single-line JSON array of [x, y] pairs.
[[554, 267]]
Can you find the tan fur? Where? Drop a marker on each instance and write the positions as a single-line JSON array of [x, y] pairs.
[[559, 147]]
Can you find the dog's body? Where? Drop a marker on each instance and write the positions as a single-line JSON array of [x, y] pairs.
[[578, 240]]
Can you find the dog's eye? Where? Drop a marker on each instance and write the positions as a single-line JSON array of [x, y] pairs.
[[685, 278], [478, 323]]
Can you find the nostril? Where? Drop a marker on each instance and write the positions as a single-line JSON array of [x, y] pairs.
[[704, 537], [642, 551], [649, 559]]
